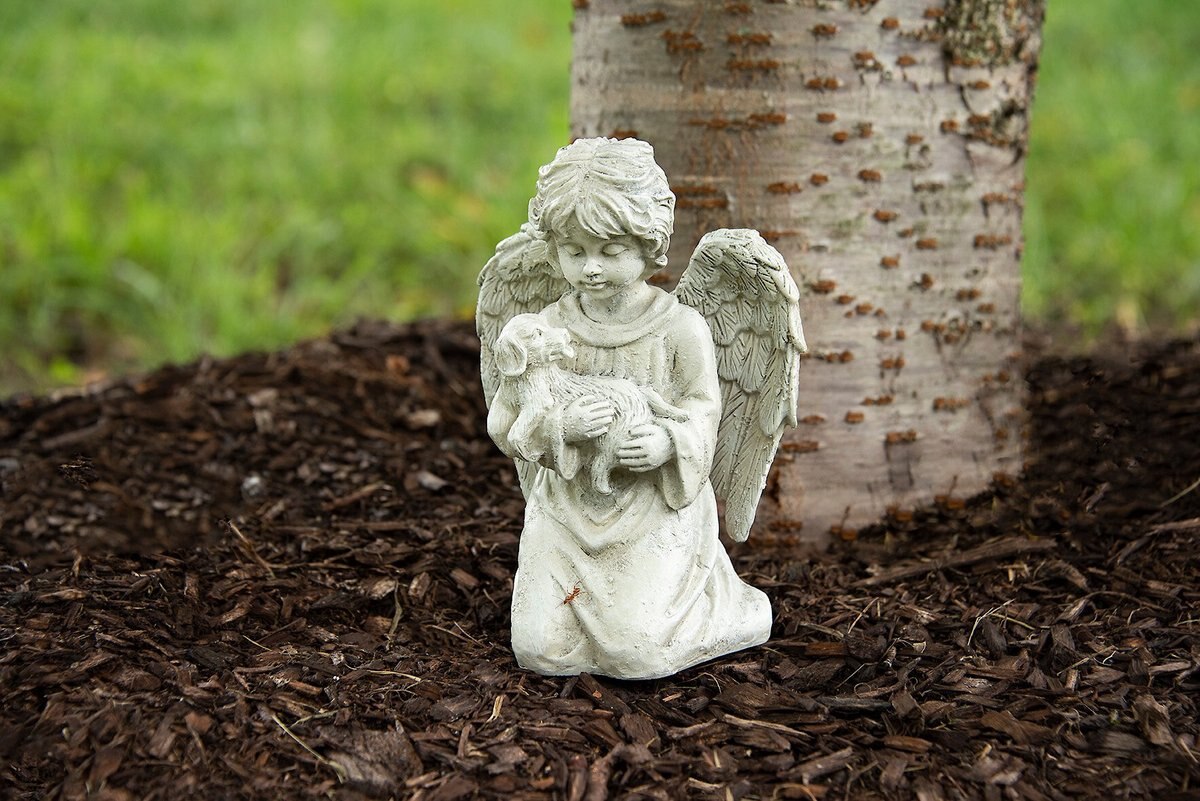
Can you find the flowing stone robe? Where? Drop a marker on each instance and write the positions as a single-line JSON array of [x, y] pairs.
[[656, 590]]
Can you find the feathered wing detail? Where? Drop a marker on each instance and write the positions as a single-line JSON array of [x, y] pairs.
[[745, 291], [518, 279]]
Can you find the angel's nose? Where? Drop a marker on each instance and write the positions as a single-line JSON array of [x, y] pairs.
[[592, 268]]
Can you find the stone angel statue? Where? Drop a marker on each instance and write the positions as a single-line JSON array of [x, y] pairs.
[[625, 407]]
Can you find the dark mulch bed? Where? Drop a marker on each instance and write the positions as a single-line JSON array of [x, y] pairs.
[[288, 576]]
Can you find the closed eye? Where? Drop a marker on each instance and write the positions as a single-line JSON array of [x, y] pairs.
[[614, 249], [572, 250]]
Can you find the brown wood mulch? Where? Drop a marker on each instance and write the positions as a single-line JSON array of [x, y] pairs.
[[288, 575]]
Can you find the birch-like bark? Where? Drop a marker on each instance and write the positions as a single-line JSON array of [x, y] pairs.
[[880, 145]]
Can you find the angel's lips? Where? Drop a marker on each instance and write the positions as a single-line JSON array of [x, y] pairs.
[[596, 285]]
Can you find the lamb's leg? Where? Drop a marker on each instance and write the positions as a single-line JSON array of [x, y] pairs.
[[663, 409], [602, 476]]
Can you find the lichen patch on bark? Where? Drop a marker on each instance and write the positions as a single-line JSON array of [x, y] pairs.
[[989, 33]]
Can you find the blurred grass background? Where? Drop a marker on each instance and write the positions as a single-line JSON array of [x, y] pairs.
[[223, 175]]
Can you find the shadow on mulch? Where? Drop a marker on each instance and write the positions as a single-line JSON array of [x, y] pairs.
[[287, 576]]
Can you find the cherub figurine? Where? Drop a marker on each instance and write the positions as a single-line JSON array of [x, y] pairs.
[[620, 571]]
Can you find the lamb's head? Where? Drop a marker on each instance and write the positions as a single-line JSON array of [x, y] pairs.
[[528, 341]]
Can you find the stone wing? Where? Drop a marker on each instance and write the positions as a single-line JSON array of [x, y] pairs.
[[518, 279], [744, 289]]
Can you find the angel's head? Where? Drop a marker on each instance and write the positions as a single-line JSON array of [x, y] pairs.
[[610, 189]]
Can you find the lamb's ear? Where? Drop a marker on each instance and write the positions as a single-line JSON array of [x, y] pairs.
[[511, 356]]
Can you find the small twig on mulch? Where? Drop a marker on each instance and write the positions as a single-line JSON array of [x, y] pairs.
[[338, 770], [994, 549], [1180, 494]]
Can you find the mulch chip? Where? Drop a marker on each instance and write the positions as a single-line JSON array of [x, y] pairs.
[[288, 575]]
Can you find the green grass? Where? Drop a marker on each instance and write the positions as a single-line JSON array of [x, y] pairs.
[[224, 175], [1113, 189]]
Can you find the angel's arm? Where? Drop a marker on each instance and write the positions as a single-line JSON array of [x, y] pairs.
[[698, 393], [533, 435]]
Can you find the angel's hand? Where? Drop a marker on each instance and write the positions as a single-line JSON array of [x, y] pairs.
[[649, 446], [587, 417]]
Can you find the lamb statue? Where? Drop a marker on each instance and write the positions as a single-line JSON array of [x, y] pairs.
[[528, 354]]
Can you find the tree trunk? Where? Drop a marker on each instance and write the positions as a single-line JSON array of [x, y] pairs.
[[880, 145]]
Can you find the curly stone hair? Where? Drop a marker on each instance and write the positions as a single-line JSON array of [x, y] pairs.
[[610, 187]]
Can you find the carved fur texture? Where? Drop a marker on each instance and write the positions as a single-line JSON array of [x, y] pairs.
[[527, 354]]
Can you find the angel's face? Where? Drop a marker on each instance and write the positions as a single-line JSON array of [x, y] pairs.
[[599, 268]]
